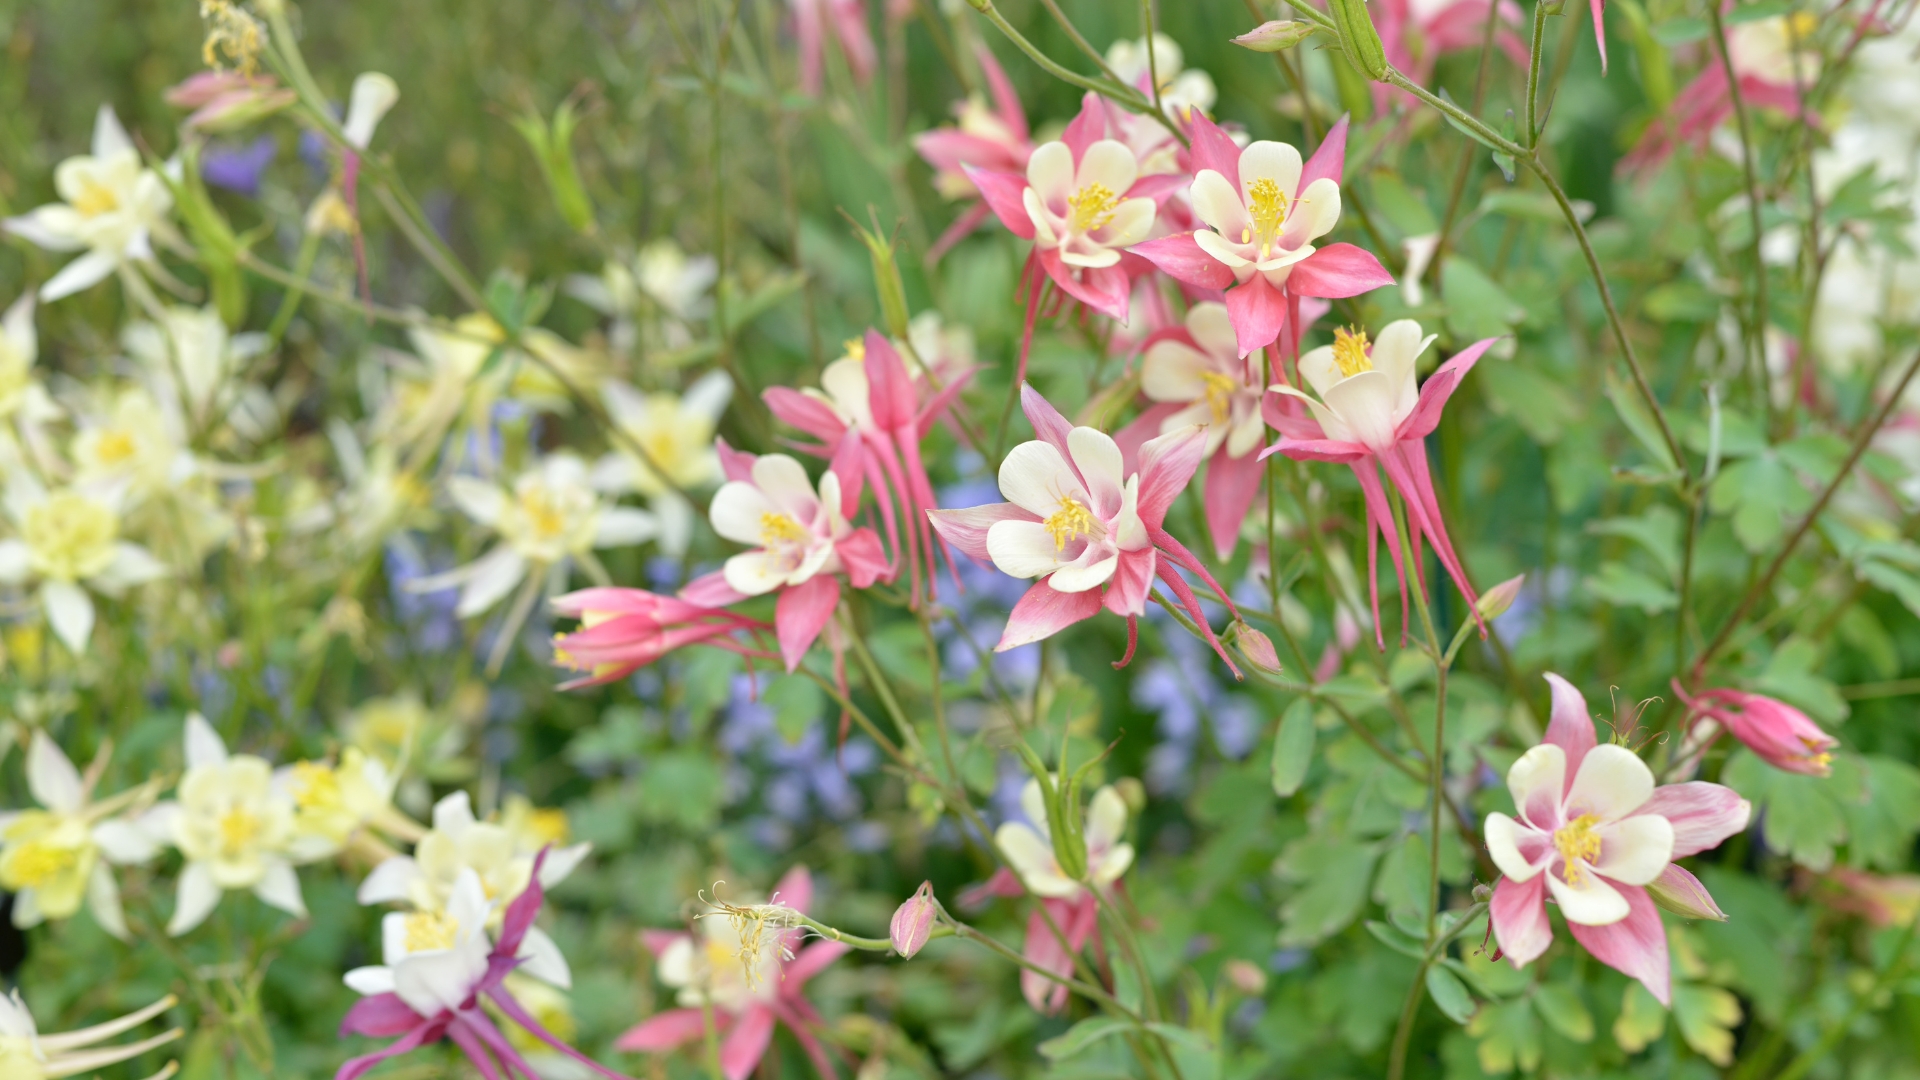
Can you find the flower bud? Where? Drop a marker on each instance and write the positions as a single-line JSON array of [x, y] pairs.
[[1358, 39], [1482, 893], [1782, 735], [1276, 35], [1495, 601], [1245, 977], [1681, 893], [1256, 646], [913, 922]]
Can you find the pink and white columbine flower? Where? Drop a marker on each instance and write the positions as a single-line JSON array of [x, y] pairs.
[[1264, 209], [747, 966], [1595, 833], [1028, 848], [1783, 736], [438, 967], [1762, 53], [1083, 202], [623, 630], [1194, 375], [870, 416], [993, 138], [1078, 522], [805, 544], [1370, 410]]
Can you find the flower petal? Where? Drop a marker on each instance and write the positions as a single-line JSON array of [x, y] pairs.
[[1364, 403], [1612, 783], [51, 777], [1635, 945], [1023, 549], [1044, 612], [194, 899], [1634, 851], [1108, 162], [1519, 850], [1269, 160], [1536, 782], [1702, 814], [1519, 915], [1097, 458], [1217, 203], [1036, 478], [69, 611], [1050, 172], [1571, 727], [1590, 901]]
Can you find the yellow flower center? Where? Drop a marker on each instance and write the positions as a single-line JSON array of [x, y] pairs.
[[779, 529], [1072, 520], [1801, 24], [1269, 207], [1350, 351], [35, 863], [1578, 840], [315, 786], [1219, 391], [856, 348], [233, 40], [115, 447], [430, 930], [549, 825], [70, 536], [546, 518], [95, 198], [239, 828], [1093, 206], [1818, 758]]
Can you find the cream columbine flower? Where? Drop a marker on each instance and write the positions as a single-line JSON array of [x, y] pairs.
[[733, 958], [1181, 88], [52, 859], [191, 355], [458, 844], [1265, 224], [677, 282], [111, 204], [233, 827], [1766, 49], [333, 801], [19, 348], [372, 96], [676, 431], [25, 1054], [69, 541], [1030, 847], [1084, 211], [433, 959], [794, 528], [1365, 393], [1219, 388], [1083, 526], [130, 442]]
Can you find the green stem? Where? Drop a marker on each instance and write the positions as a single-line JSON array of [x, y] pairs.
[[1757, 320], [1397, 1058], [1535, 52], [1830, 1039]]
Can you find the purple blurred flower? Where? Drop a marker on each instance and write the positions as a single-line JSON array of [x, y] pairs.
[[239, 168]]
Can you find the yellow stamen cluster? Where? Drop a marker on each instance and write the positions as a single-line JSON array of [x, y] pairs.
[[1818, 758], [95, 199], [1268, 205], [544, 515], [116, 446], [36, 863], [238, 829], [759, 927], [1578, 841], [1072, 520], [234, 38], [1219, 393], [315, 786], [1350, 351], [431, 930], [1093, 206], [856, 348], [778, 529]]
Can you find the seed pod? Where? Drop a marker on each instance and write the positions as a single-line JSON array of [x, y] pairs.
[[1359, 40]]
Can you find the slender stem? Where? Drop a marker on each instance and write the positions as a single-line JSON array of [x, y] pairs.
[[1861, 440], [1757, 320], [1125, 95], [1397, 1059], [1153, 61], [1535, 50], [1080, 40], [710, 1031]]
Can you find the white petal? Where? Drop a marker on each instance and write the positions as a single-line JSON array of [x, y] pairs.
[[1365, 403], [467, 903], [51, 777], [756, 573], [708, 396], [1212, 329], [784, 480], [280, 887], [109, 138], [1106, 818], [1612, 783], [1050, 172], [453, 815], [492, 577], [48, 227], [1536, 782], [1592, 902], [1098, 458], [542, 959], [1221, 249], [1330, 422], [478, 499], [1079, 577], [103, 899], [124, 843], [369, 981], [1171, 371], [70, 611], [131, 565], [393, 937], [373, 94], [1032, 860], [1269, 160], [1036, 478], [1034, 805], [738, 510], [1316, 213], [1113, 864], [1023, 549], [1131, 222], [1217, 203], [1096, 258], [621, 526], [1045, 236], [82, 273], [204, 745], [562, 861], [16, 561], [194, 900], [1396, 353], [1634, 851], [1107, 162], [1503, 843]]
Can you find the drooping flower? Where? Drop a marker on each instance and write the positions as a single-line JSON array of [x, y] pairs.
[[26, 1054], [232, 826], [111, 205], [460, 845], [1263, 210], [623, 630], [69, 541], [224, 101], [805, 544], [438, 969], [1773, 59], [1593, 832], [994, 138], [1194, 375], [1091, 533], [912, 923], [747, 965], [846, 20], [870, 416], [1782, 735], [675, 431], [54, 859], [1369, 410], [1069, 904]]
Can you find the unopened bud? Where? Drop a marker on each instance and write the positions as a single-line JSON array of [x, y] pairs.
[[1245, 977], [1274, 36], [1482, 894], [1495, 601], [1257, 647], [1681, 893], [913, 922]]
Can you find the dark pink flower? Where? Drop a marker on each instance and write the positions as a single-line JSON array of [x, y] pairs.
[[846, 20], [622, 630], [1762, 56], [1782, 735], [991, 138]]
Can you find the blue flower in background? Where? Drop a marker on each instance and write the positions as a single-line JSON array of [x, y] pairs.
[[239, 169], [1184, 689], [428, 616], [796, 781]]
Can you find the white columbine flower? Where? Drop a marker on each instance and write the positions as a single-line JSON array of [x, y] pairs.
[[1030, 848], [1080, 533], [1084, 211], [233, 827], [457, 846], [1219, 388], [52, 859], [676, 431], [69, 541], [333, 801], [1365, 393], [19, 348], [193, 358], [779, 511], [372, 95], [675, 281], [25, 1054], [433, 959], [111, 204]]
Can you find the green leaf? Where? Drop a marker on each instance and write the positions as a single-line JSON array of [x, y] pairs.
[[1621, 586], [1560, 1005], [1533, 398], [1799, 814], [1397, 939], [1477, 307], [1682, 301], [1706, 1016], [1400, 204], [1509, 1037], [1082, 1035], [1642, 1019], [1335, 872], [796, 703], [1657, 530], [681, 787], [1633, 412], [1460, 127], [1884, 815], [1759, 494], [1449, 994], [1293, 748]]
